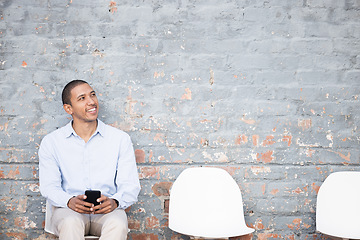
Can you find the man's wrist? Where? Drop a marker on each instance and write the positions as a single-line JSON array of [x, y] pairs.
[[68, 203], [116, 202]]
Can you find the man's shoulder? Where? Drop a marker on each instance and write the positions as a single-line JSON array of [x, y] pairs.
[[60, 132]]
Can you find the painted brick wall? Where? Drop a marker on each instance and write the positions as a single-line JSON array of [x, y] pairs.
[[268, 90]]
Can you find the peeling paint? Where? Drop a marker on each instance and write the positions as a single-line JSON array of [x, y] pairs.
[[256, 170], [187, 94]]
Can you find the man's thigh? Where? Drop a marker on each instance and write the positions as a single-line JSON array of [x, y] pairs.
[[104, 223], [67, 217]]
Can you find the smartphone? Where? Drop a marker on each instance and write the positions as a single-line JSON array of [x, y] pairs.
[[92, 196]]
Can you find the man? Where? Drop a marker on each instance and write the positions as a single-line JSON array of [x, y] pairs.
[[87, 154]]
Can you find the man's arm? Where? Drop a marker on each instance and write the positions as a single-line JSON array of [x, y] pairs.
[[50, 175], [127, 178]]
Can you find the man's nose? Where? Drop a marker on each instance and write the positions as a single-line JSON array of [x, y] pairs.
[[90, 101]]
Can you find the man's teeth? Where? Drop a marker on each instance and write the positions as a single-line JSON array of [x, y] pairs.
[[92, 110]]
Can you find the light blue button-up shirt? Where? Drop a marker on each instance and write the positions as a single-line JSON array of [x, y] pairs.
[[68, 166]]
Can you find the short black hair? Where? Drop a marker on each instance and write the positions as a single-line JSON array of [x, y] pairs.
[[66, 93]]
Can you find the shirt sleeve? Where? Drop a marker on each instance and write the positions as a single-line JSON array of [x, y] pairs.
[[127, 177], [50, 175]]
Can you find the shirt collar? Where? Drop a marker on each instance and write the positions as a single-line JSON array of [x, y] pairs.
[[69, 130]]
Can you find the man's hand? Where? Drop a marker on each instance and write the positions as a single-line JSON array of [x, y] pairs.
[[107, 205], [78, 204]]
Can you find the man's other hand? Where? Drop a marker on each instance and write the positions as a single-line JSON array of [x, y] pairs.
[[78, 204], [107, 205]]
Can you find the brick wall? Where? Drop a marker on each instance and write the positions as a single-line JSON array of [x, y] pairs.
[[268, 90]]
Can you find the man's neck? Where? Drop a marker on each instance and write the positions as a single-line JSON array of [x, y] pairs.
[[85, 129]]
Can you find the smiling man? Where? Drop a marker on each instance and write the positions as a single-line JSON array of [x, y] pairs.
[[87, 154]]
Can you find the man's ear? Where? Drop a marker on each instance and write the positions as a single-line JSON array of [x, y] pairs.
[[68, 108]]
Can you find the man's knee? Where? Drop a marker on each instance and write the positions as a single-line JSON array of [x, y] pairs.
[[66, 220], [117, 222]]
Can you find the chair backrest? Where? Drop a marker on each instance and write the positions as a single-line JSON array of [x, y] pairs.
[[338, 205], [48, 226], [207, 202]]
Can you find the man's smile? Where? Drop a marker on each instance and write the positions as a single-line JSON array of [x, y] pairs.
[[91, 110]]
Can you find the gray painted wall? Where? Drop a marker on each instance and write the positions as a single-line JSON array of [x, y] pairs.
[[268, 90]]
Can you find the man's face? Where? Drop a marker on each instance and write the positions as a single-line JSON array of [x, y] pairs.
[[84, 104]]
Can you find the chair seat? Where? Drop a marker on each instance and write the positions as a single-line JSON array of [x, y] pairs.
[[91, 237]]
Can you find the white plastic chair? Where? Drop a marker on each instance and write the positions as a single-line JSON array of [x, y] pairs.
[[338, 206], [206, 202], [48, 226]]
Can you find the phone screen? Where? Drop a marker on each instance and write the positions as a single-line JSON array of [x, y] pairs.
[[92, 196]]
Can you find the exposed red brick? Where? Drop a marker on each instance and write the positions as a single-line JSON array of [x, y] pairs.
[[315, 187], [166, 205], [255, 140], [176, 236], [306, 225], [259, 225], [159, 137], [265, 236], [140, 156], [128, 209], [287, 139], [187, 95], [309, 152], [268, 141], [17, 235], [274, 191], [263, 188], [291, 237], [297, 221], [248, 121], [112, 7], [12, 174], [152, 222], [244, 237], [144, 236], [149, 172], [297, 190], [295, 224], [22, 205], [230, 170], [265, 157], [151, 156], [204, 142], [241, 139], [134, 224], [162, 188], [304, 123], [346, 158], [165, 223]]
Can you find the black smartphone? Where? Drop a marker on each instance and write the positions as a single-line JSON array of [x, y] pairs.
[[92, 196]]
